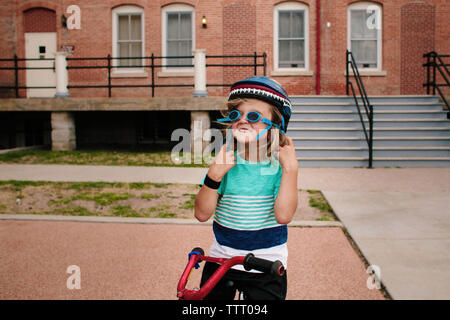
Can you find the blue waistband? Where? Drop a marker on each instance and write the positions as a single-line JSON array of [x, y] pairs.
[[250, 240]]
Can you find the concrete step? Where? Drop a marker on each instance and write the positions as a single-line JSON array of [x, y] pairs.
[[344, 98], [378, 142], [378, 114], [379, 162], [376, 107], [378, 132], [408, 131], [378, 123], [334, 152]]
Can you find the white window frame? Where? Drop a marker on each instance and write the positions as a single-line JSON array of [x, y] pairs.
[[378, 21], [290, 6], [126, 9], [165, 11]]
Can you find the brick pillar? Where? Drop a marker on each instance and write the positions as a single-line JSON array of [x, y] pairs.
[[63, 131]]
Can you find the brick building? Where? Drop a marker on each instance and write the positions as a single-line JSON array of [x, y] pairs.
[[301, 44], [388, 39]]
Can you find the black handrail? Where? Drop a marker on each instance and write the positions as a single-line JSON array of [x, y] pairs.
[[254, 64], [109, 66], [350, 61], [16, 67], [435, 62]]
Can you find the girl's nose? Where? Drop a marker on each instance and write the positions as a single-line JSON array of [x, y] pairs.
[[243, 119]]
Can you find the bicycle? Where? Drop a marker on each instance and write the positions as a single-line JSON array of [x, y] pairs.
[[249, 262]]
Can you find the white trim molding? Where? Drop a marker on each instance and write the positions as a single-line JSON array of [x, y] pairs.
[[374, 21], [126, 9], [290, 6], [166, 72]]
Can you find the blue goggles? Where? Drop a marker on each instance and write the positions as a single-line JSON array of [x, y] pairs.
[[253, 116]]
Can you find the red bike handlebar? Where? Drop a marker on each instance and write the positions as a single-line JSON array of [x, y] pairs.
[[249, 262]]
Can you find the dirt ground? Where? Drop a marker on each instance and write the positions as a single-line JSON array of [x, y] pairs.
[[128, 200]]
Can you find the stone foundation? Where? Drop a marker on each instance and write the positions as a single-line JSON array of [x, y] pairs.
[[63, 131]]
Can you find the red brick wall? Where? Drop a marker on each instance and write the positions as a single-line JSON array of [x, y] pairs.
[[239, 38], [234, 27], [40, 20], [417, 37], [7, 44]]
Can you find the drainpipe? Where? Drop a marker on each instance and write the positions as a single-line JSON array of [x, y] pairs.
[[318, 47]]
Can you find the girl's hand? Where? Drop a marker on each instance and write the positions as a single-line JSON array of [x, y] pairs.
[[287, 156], [223, 162]]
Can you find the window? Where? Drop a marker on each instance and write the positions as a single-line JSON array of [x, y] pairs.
[[128, 37], [364, 35], [178, 35], [291, 36]]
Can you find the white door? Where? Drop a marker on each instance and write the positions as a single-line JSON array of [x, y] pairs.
[[40, 45]]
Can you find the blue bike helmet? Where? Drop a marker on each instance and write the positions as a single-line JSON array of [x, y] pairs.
[[266, 89]]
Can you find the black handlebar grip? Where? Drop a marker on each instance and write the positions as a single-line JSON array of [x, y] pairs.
[[199, 250], [273, 267]]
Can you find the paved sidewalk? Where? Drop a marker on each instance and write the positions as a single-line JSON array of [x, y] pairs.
[[399, 218], [335, 179], [406, 234]]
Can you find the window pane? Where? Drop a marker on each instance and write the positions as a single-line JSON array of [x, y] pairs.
[[123, 27], [284, 50], [185, 26], [172, 26], [185, 48], [172, 50], [360, 20], [136, 51], [284, 26], [365, 53], [123, 52], [298, 24], [298, 53], [135, 24]]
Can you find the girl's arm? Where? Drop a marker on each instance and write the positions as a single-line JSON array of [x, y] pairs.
[[206, 199], [287, 199]]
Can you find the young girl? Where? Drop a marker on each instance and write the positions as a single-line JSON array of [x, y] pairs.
[[251, 202]]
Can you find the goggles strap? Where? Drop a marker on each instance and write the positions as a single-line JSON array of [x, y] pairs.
[[264, 131]]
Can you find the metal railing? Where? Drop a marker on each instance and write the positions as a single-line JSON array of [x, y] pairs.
[[368, 108], [435, 63], [111, 64], [147, 62], [255, 64], [16, 67]]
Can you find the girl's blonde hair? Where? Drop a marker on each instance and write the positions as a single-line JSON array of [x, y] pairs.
[[276, 118]]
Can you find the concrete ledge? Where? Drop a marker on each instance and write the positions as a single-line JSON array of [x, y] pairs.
[[39, 217], [113, 104]]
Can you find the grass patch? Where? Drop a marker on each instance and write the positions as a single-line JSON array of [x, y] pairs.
[[317, 200], [124, 211], [88, 157], [102, 199], [149, 196], [73, 211], [98, 198], [166, 214], [189, 204]]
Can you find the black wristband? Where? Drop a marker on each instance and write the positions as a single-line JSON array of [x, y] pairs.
[[210, 183]]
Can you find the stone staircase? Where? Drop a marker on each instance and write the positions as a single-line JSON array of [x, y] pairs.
[[409, 131]]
